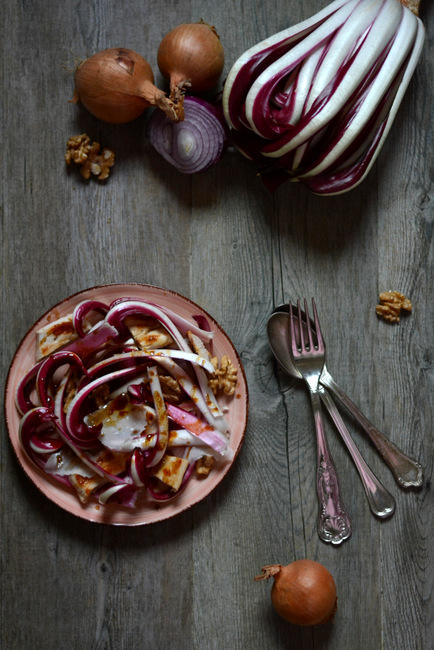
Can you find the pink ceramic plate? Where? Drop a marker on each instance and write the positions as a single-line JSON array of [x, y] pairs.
[[147, 511]]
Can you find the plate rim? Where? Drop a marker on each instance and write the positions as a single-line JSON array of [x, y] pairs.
[[31, 470]]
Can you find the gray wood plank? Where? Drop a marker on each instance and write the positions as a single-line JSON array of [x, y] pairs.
[[224, 241]]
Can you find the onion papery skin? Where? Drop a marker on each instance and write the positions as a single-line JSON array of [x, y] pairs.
[[193, 145], [315, 102], [116, 85], [303, 592], [191, 54]]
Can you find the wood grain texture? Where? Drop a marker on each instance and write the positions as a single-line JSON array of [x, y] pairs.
[[221, 239]]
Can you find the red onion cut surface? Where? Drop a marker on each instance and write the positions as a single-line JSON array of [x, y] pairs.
[[315, 102], [196, 143]]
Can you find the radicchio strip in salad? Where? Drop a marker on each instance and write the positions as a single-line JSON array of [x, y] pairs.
[[116, 414], [315, 102]]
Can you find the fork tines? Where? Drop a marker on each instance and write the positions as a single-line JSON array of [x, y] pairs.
[[305, 324]]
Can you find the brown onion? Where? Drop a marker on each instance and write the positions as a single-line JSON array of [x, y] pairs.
[[303, 592], [191, 56], [117, 85]]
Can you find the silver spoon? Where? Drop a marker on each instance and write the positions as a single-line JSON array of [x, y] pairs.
[[380, 501], [407, 472]]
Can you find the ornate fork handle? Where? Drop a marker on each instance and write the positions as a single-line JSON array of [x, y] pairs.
[[407, 472], [380, 501], [334, 525]]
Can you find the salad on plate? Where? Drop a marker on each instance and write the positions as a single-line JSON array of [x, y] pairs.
[[126, 402]]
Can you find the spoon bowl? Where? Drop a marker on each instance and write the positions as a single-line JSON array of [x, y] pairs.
[[278, 337]]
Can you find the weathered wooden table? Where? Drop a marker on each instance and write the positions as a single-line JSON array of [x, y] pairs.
[[224, 241]]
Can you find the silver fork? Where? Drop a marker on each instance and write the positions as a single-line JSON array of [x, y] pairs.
[[407, 472], [334, 525]]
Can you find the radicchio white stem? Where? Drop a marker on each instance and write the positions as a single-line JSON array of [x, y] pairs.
[[180, 322], [414, 58], [258, 95], [258, 52], [160, 408], [344, 43], [304, 82], [316, 102], [396, 56], [193, 358], [122, 310], [380, 34], [132, 307], [73, 415], [195, 393], [208, 434]]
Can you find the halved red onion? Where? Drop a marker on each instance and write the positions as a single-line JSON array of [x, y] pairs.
[[196, 143]]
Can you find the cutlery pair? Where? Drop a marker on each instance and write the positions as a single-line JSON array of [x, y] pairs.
[[298, 346]]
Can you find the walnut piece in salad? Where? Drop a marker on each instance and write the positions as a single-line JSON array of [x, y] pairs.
[[225, 376]]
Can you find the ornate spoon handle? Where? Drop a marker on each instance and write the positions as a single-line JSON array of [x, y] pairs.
[[334, 525], [407, 472], [380, 501]]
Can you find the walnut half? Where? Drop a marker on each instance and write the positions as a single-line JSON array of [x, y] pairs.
[[77, 149], [81, 151], [225, 376], [391, 305], [204, 466]]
